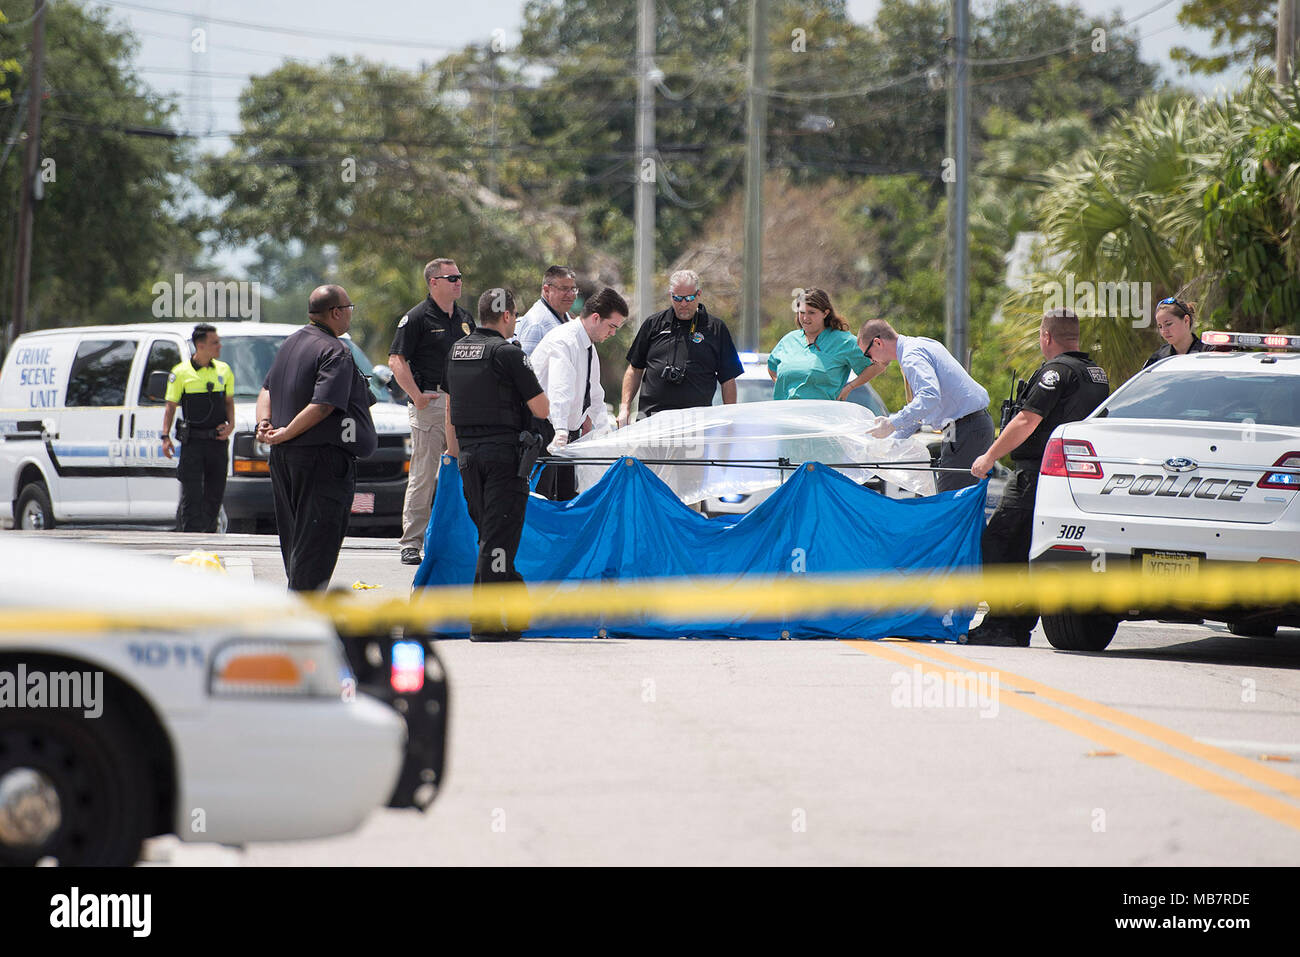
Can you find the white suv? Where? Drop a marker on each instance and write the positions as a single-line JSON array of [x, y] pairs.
[[1194, 460]]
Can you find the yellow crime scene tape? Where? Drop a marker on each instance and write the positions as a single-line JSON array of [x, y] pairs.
[[1047, 590]]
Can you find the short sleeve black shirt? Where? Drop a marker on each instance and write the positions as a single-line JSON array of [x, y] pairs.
[[509, 364], [424, 338], [1165, 351], [1064, 389], [701, 346], [314, 365]]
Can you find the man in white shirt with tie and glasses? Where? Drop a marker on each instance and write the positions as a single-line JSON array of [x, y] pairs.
[[568, 369]]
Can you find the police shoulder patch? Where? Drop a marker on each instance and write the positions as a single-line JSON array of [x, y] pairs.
[[1049, 379], [171, 377], [403, 321], [465, 327]]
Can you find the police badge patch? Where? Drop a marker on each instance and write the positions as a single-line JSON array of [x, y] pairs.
[[171, 377], [465, 327], [697, 337], [401, 322], [1050, 378]]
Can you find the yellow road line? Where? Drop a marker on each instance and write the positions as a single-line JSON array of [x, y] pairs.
[[1286, 783], [1153, 757]]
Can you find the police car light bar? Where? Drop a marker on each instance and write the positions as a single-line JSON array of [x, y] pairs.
[[1248, 340]]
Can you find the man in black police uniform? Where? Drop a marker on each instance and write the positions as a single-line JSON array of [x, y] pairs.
[[680, 356], [1065, 388], [204, 388], [314, 412], [493, 391], [418, 357]]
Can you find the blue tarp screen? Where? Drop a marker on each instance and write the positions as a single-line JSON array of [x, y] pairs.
[[631, 527]]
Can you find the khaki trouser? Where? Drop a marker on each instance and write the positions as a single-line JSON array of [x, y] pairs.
[[428, 442]]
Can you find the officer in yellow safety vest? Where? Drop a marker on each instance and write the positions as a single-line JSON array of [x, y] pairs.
[[204, 388]]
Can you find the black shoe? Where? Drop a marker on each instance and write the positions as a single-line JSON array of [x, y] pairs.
[[993, 637], [495, 636], [410, 556]]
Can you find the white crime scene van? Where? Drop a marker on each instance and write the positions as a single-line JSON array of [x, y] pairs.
[[81, 428]]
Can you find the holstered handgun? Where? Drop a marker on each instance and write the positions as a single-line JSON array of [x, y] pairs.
[[530, 447]]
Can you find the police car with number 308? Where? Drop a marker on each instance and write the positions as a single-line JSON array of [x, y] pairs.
[[1194, 460]]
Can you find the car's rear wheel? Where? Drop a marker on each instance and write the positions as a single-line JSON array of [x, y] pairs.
[[1254, 627], [1080, 632], [72, 788], [34, 511]]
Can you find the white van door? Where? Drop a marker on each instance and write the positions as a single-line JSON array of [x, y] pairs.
[[87, 450], [152, 486]]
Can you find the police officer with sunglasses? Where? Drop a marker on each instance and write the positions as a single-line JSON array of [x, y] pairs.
[[680, 356]]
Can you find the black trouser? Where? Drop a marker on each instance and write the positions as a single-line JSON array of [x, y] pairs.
[[313, 486], [1006, 542], [496, 497], [972, 435], [559, 483], [202, 472]]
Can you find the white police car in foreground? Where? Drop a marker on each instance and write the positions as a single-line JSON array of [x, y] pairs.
[[1194, 460], [264, 729]]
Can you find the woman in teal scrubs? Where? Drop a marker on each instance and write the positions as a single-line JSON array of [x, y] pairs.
[[820, 359]]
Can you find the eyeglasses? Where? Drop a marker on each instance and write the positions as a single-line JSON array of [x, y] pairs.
[[456, 278], [350, 305], [691, 298], [562, 289]]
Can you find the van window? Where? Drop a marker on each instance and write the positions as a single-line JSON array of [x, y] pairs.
[[164, 355], [99, 372]]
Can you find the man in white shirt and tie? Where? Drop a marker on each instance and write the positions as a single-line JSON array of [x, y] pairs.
[[568, 368]]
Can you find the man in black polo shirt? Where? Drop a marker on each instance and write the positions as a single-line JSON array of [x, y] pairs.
[[418, 357], [314, 412], [680, 356], [1065, 388]]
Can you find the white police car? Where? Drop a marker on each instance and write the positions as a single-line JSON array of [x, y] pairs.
[[1194, 460], [262, 729]]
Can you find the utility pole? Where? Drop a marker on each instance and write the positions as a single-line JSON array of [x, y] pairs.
[[647, 173], [956, 167], [755, 161], [1286, 37], [31, 175]]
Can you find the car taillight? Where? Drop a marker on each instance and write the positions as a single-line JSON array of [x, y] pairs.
[[1283, 480], [1070, 458]]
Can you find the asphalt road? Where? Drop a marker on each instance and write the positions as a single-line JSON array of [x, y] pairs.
[[612, 752]]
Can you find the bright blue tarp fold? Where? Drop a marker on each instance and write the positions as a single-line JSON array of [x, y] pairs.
[[630, 527]]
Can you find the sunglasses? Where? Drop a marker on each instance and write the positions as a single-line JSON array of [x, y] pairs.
[[1181, 306], [455, 278], [691, 298]]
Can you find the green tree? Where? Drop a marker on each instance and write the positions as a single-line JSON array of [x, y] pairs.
[[1246, 31], [108, 225], [1199, 199]]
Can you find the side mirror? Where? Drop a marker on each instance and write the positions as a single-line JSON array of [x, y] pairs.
[[156, 388]]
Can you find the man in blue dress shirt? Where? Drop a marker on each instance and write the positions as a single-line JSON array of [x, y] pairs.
[[944, 397]]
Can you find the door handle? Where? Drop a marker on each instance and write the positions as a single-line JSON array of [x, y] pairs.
[[132, 432], [119, 425]]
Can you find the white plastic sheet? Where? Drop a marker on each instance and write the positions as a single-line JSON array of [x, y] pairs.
[[802, 430]]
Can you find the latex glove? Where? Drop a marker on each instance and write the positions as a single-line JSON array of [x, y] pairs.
[[883, 429], [560, 441]]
